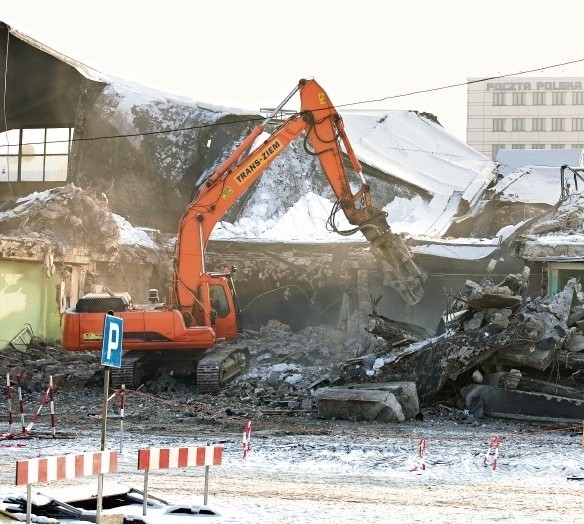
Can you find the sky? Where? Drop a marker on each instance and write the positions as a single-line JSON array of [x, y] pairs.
[[252, 54]]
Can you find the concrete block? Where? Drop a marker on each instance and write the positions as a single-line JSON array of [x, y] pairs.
[[405, 392], [358, 405]]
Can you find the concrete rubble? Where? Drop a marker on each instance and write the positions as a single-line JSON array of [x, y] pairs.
[[490, 360]]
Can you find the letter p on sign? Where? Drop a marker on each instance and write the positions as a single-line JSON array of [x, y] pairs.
[[111, 349]]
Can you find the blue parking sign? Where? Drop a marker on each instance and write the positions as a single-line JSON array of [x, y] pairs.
[[111, 349]]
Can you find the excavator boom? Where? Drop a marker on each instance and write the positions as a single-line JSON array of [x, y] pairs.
[[324, 131]]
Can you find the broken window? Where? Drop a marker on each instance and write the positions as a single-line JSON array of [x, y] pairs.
[[35, 155], [560, 273]]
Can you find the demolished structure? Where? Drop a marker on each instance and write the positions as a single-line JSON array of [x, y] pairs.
[[136, 154]]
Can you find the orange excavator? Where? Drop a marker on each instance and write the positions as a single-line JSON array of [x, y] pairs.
[[201, 308]]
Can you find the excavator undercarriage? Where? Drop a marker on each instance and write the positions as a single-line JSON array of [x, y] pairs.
[[214, 368]]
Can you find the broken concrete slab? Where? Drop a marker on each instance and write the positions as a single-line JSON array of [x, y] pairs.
[[405, 392], [524, 383], [358, 405], [524, 405], [528, 356]]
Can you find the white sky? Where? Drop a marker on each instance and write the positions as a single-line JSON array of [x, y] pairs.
[[251, 54]]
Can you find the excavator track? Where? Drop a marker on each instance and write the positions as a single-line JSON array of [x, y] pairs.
[[135, 369], [219, 366]]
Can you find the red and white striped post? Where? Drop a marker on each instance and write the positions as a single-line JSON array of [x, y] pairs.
[[52, 405], [166, 458], [20, 404], [38, 412], [493, 445], [9, 403], [46, 469], [246, 439]]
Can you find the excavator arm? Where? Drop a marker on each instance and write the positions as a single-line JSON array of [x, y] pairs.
[[324, 131]]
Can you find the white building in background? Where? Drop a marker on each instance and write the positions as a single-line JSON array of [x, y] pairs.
[[525, 113]]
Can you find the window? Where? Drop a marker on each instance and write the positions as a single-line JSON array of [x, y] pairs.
[[577, 146], [518, 124], [537, 146], [558, 275], [35, 155], [539, 99], [495, 149], [219, 300], [538, 124], [577, 98], [498, 124], [558, 124], [577, 124], [518, 99], [518, 146], [558, 99], [557, 146], [498, 99]]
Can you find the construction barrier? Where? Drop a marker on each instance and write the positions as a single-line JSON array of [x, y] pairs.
[[166, 458], [493, 446], [49, 395], [246, 439], [46, 469], [420, 464]]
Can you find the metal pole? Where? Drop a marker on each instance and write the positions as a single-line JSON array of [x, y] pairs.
[[122, 407], [145, 494], [206, 491], [106, 377], [28, 503]]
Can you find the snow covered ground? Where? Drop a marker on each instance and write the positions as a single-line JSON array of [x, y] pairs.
[[433, 470]]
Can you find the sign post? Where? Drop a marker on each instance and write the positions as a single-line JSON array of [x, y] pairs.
[[111, 356]]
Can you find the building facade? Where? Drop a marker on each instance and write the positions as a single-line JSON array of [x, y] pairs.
[[525, 113]]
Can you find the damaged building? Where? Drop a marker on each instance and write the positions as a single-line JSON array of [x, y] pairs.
[[96, 172]]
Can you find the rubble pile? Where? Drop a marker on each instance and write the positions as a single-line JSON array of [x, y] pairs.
[[67, 216], [491, 328], [499, 354]]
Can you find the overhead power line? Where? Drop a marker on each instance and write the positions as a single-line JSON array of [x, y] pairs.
[[258, 119]]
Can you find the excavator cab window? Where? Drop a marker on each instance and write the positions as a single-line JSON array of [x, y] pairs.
[[219, 300]]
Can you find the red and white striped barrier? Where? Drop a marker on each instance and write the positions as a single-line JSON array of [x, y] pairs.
[[166, 458], [45, 469], [246, 439]]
